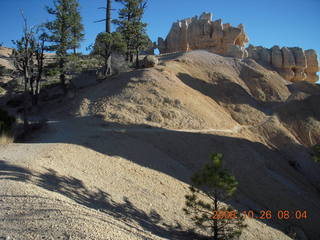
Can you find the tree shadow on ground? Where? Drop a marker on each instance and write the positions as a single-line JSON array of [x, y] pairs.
[[98, 199], [179, 154]]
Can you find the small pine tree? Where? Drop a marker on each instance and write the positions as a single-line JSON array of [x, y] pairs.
[[217, 185]]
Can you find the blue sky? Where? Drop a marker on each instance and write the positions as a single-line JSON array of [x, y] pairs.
[[267, 22]]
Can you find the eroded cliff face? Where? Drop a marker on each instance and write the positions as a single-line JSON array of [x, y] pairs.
[[293, 64], [203, 33]]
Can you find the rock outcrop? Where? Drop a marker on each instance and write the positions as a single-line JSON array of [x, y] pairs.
[[150, 61], [293, 64], [203, 33]]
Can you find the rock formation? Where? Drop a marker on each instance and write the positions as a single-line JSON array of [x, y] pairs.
[[293, 64], [202, 33]]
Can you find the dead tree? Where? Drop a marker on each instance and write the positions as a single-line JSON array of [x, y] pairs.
[[23, 60], [29, 61]]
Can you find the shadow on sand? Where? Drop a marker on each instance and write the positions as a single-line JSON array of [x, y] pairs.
[[74, 189], [179, 154]]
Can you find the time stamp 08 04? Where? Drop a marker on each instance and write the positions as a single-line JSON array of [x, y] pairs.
[[263, 214]]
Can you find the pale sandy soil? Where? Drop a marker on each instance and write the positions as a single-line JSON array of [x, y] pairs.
[[115, 161]]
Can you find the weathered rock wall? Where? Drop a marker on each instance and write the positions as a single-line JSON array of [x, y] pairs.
[[293, 64], [203, 33]]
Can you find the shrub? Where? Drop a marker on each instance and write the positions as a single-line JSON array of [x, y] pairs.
[[51, 70]]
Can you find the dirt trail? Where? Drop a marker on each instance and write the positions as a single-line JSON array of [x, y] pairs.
[[236, 129]]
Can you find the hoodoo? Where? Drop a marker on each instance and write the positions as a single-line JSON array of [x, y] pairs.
[[203, 33], [292, 63]]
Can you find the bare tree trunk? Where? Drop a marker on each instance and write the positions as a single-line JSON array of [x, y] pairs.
[[109, 66], [62, 75], [108, 17], [137, 58], [107, 71], [36, 96], [131, 57], [25, 106], [32, 90], [40, 60]]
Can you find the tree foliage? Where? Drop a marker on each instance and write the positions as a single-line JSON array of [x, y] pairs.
[[77, 28], [66, 31], [131, 26], [211, 185]]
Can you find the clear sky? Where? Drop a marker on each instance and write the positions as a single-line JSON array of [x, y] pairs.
[[267, 22]]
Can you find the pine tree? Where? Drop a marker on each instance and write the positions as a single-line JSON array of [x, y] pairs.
[[66, 31], [213, 182], [131, 26], [77, 27]]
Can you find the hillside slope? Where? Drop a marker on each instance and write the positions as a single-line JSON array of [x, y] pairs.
[[114, 162]]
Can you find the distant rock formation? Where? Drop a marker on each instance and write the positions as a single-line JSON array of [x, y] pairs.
[[202, 33], [293, 64]]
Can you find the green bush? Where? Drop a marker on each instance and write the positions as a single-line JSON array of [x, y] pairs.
[[51, 69], [6, 122]]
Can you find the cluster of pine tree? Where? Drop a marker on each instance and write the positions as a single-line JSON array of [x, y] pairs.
[[130, 37], [64, 34]]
